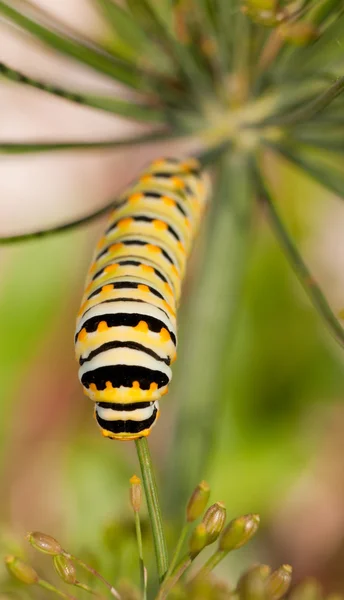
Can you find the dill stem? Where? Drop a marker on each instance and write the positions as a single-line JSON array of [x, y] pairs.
[[51, 588], [95, 573], [153, 505], [171, 581]]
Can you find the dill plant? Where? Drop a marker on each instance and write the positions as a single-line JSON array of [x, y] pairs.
[[240, 81]]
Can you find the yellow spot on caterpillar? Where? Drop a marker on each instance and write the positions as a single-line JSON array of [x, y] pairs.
[[159, 162], [168, 201], [135, 197], [116, 247], [175, 271], [160, 225], [164, 391], [178, 182], [107, 288], [181, 247], [82, 335], [142, 326], [152, 248], [187, 223], [174, 358], [101, 242], [124, 223], [105, 433], [168, 288], [143, 288], [102, 326], [153, 387], [147, 269], [146, 178], [93, 387], [167, 306], [136, 385], [165, 336], [87, 289], [188, 165], [108, 385], [111, 268], [92, 269]]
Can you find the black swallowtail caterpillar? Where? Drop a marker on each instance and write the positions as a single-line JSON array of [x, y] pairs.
[[126, 329]]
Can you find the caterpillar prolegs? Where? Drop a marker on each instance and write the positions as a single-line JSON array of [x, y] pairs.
[[126, 328]]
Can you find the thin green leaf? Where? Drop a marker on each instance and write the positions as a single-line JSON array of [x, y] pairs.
[[138, 112], [301, 270], [125, 27], [30, 147], [84, 53], [315, 163]]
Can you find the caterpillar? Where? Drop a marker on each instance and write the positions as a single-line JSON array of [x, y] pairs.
[[126, 336]]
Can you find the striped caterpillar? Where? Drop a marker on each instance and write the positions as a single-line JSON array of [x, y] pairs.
[[126, 328]]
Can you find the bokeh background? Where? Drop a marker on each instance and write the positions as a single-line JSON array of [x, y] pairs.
[[277, 445]]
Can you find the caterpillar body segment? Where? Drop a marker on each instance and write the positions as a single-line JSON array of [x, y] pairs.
[[126, 335]]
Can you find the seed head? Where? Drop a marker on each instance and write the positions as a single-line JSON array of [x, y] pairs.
[[279, 582], [238, 532], [252, 584], [65, 569], [135, 493], [198, 501], [214, 520], [21, 571], [44, 543]]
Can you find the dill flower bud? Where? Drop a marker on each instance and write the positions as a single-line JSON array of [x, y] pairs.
[[65, 569], [198, 501], [238, 532], [44, 543], [252, 584], [198, 539], [278, 583], [214, 520], [299, 33], [21, 571], [135, 493]]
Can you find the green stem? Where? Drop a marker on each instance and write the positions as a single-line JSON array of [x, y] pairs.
[[174, 578], [130, 110], [202, 367], [143, 572], [29, 147], [177, 551], [303, 273], [153, 504], [51, 588]]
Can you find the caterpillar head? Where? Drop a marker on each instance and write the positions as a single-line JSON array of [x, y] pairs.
[[126, 421]]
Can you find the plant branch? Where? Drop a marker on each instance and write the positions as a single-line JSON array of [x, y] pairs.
[[30, 147], [130, 110], [299, 266], [153, 505]]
